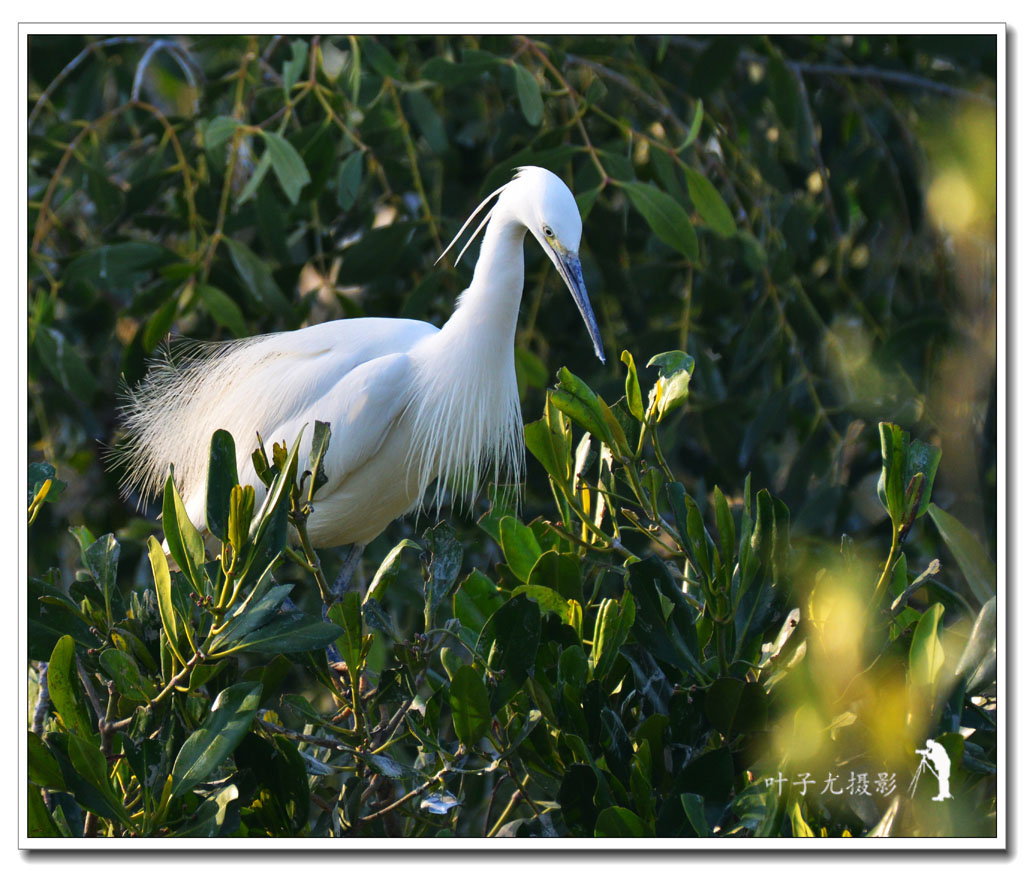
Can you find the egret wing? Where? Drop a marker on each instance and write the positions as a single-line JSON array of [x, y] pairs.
[[361, 408]]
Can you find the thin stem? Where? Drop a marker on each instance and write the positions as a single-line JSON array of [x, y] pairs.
[[410, 150], [883, 581]]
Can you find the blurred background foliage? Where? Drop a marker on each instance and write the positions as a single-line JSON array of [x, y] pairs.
[[811, 218]]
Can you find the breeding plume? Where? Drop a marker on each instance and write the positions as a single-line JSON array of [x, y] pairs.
[[407, 402]]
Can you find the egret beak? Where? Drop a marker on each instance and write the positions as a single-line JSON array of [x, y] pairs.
[[568, 265]]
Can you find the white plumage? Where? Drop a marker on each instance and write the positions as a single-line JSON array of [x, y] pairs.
[[407, 402]]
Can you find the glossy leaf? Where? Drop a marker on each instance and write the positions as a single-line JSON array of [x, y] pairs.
[[65, 688], [222, 476], [288, 165], [229, 719], [666, 217], [125, 673], [520, 546], [979, 571], [926, 653], [710, 205], [620, 823], [258, 279], [528, 92], [184, 541], [43, 769], [162, 583], [350, 176], [471, 713]]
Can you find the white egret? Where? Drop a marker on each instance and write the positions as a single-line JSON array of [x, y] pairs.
[[407, 402]]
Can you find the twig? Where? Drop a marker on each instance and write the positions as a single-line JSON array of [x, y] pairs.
[[90, 691], [308, 738], [901, 600], [42, 701], [662, 110], [44, 98], [896, 77], [403, 799], [571, 94], [122, 724]]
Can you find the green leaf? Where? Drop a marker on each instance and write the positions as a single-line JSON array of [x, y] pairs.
[[258, 279], [709, 203], [476, 600], [219, 131], [675, 369], [634, 401], [528, 91], [127, 678], [546, 441], [286, 633], [388, 571], [666, 217], [120, 266], [471, 713], [926, 654], [380, 58], [428, 121], [40, 473], [225, 311], [256, 179], [979, 571], [616, 822], [560, 572], [693, 806], [184, 541], [734, 706], [317, 451], [162, 583], [452, 75], [443, 570], [611, 628], [90, 762], [672, 641], [101, 560], [549, 600], [509, 641], [520, 545], [43, 769], [222, 476], [892, 482], [65, 689], [229, 719], [801, 829], [288, 165], [159, 324], [350, 176], [574, 398], [348, 615], [40, 822], [65, 364], [51, 614], [977, 664], [726, 527], [694, 131], [292, 69]]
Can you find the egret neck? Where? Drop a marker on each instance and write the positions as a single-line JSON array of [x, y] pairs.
[[467, 415]]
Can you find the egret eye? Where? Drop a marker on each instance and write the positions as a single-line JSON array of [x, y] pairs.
[[548, 232]]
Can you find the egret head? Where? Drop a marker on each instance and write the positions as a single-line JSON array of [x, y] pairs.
[[548, 209], [540, 201]]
